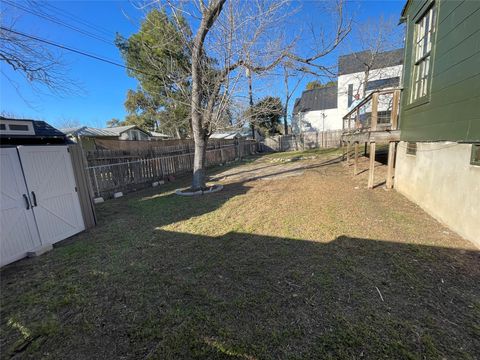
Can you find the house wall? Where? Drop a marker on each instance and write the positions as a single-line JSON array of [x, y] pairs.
[[357, 80], [320, 120], [441, 180], [452, 108]]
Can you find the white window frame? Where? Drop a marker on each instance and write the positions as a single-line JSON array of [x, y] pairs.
[[424, 35]]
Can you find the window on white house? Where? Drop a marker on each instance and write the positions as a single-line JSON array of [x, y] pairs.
[[350, 94], [423, 40]]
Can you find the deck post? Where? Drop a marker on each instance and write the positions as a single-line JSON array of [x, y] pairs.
[[348, 152], [394, 112], [390, 166], [371, 171], [355, 167]]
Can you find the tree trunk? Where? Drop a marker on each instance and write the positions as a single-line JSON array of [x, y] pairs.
[[199, 162], [198, 181], [250, 95], [285, 111], [365, 81]]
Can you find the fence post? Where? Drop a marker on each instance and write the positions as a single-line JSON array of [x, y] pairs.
[[237, 141], [96, 181]]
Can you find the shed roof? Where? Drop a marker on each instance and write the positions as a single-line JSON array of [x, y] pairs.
[[355, 62], [42, 130], [316, 99]]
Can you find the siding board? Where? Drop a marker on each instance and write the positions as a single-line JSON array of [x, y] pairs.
[[453, 111]]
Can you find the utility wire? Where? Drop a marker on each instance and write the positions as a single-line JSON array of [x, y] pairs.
[[77, 19], [59, 22], [72, 50]]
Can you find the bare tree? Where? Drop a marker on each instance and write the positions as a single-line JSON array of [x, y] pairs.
[[38, 64], [239, 35], [371, 39]]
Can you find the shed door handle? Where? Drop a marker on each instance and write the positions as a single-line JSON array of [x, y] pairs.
[[34, 197], [26, 201]]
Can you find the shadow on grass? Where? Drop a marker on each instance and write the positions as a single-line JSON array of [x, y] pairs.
[[170, 295]]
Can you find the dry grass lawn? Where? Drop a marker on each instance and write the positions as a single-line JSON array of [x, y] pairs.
[[294, 259]]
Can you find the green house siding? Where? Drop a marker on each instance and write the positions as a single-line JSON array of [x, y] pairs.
[[451, 111]]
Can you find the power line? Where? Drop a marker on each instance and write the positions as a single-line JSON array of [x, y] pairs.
[[72, 50], [79, 20], [59, 22]]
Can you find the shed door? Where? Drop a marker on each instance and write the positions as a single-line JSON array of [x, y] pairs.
[[18, 233], [51, 185]]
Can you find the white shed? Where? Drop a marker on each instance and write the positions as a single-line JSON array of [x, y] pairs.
[[43, 199]]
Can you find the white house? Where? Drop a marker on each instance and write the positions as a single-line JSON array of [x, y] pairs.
[[316, 110]]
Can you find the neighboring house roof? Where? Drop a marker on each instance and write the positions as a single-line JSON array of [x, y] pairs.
[[96, 132], [89, 131], [316, 99], [119, 130], [41, 129], [354, 63], [226, 135]]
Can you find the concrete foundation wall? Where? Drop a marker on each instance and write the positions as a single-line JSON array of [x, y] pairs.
[[441, 180]]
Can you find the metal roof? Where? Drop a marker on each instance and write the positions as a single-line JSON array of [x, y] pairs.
[[89, 131], [354, 63], [96, 132], [118, 130], [316, 99]]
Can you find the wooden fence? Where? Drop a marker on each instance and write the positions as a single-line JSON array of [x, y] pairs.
[[111, 171], [303, 141], [159, 146], [84, 188]]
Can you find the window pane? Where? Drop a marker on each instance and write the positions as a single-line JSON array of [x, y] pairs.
[[14, 127], [424, 30]]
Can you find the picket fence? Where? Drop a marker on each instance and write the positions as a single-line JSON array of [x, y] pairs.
[[111, 171], [302, 141]]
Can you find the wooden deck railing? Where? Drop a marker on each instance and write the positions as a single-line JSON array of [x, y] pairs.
[[361, 126]]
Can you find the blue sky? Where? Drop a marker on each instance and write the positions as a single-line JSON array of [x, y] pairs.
[[103, 85]]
